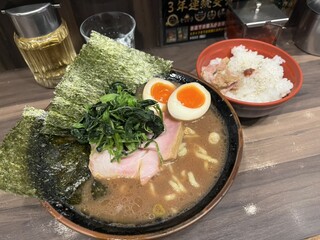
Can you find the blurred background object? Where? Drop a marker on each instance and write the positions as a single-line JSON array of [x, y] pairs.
[[148, 16], [74, 12], [260, 20], [285, 5], [119, 26], [307, 34]]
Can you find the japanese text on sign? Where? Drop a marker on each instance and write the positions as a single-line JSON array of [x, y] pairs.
[[192, 19]]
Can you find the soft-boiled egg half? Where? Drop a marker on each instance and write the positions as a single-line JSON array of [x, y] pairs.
[[159, 90], [189, 102]]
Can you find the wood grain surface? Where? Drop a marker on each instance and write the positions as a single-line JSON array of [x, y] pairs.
[[276, 194]]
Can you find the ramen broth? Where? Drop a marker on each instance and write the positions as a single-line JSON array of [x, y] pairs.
[[179, 185]]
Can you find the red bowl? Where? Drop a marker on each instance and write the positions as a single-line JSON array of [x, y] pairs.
[[292, 71]]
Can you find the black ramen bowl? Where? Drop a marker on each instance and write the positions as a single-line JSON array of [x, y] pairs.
[[89, 226]]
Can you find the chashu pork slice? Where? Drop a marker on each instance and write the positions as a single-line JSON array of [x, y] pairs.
[[168, 143], [149, 166], [102, 168], [170, 140], [144, 163]]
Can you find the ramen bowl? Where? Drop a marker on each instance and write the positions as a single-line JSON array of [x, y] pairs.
[[101, 229], [245, 109]]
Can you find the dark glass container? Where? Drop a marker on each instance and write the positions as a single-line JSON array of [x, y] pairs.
[[254, 20]]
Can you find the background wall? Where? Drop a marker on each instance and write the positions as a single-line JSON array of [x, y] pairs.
[[146, 13]]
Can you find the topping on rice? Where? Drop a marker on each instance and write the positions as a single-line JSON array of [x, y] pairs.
[[248, 76]]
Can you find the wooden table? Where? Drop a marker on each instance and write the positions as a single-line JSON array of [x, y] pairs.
[[276, 194]]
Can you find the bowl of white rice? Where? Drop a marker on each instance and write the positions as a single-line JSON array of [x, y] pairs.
[[256, 77]]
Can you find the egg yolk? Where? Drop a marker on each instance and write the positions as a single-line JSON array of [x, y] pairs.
[[161, 92], [191, 97]]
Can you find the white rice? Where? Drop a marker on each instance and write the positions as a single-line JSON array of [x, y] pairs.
[[265, 84]]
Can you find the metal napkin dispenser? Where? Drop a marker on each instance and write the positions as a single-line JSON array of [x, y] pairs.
[[255, 20]]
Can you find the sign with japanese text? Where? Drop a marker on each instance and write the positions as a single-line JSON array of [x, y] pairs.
[[187, 20]]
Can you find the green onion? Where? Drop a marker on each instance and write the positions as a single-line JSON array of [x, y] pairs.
[[120, 123]]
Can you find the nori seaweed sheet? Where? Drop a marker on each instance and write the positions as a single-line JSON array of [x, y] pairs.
[[100, 62], [42, 166], [14, 167], [34, 159]]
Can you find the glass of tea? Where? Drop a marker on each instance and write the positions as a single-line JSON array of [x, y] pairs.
[[43, 40], [119, 26]]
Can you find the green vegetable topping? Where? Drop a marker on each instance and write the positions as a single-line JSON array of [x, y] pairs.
[[99, 63], [98, 190], [119, 123]]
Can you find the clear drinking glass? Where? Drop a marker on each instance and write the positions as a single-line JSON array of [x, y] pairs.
[[119, 26]]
